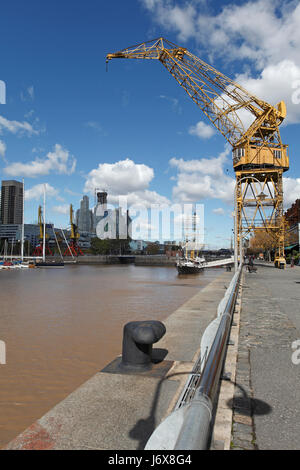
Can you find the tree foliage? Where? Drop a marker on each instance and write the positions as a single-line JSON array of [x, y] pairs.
[[265, 240], [109, 247]]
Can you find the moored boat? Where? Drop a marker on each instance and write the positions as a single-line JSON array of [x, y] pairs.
[[50, 264], [190, 265]]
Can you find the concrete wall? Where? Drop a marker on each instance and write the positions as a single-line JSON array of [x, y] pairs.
[[154, 260], [140, 260]]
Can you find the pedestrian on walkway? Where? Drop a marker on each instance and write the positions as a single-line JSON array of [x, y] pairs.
[[292, 261]]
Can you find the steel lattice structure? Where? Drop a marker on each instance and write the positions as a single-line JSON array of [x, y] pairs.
[[259, 156]]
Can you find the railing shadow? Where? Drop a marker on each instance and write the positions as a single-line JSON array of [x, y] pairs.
[[143, 429]]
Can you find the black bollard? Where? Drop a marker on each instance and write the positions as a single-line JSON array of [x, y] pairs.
[[138, 338]]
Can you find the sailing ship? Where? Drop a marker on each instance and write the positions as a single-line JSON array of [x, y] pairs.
[[44, 263], [191, 262]]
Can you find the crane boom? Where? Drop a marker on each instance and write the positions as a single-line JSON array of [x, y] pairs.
[[219, 97]]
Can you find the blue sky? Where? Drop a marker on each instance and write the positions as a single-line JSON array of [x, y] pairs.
[[65, 114]]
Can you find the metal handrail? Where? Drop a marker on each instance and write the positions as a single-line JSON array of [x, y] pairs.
[[196, 428]]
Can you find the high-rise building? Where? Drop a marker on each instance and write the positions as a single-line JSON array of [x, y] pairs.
[[84, 216], [110, 223], [11, 202]]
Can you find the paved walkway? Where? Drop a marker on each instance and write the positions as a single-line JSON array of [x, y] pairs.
[[267, 395]]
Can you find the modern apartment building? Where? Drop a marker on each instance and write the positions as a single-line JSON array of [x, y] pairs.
[[84, 217], [11, 202]]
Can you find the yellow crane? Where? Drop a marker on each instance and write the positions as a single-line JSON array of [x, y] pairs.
[[259, 156], [73, 248], [39, 248]]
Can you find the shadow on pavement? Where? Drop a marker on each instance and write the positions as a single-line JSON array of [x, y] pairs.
[[244, 402]]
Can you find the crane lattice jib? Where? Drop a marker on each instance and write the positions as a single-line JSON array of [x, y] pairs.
[[41, 223], [74, 234], [219, 97]]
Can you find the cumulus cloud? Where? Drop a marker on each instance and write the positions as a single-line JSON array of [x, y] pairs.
[[211, 166], [291, 191], [144, 198], [202, 130], [264, 32], [59, 161], [37, 191], [174, 17], [275, 83], [124, 178], [201, 179]]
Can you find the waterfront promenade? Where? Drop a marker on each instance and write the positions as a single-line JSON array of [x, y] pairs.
[[267, 401], [120, 411]]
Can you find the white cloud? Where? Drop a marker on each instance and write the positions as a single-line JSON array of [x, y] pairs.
[[122, 177], [203, 179], [291, 191], [16, 127], [173, 17], [37, 191], [275, 83], [125, 178], [211, 166], [266, 33], [59, 161], [2, 149], [144, 198], [202, 130]]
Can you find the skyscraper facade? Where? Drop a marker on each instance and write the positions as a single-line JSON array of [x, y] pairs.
[[11, 202], [84, 216]]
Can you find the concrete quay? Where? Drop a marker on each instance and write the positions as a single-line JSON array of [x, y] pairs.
[[266, 405], [115, 411], [138, 260]]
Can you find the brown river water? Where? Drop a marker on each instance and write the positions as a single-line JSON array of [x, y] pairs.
[[61, 326]]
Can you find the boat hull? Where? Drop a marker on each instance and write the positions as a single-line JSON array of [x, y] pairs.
[[189, 269], [50, 265]]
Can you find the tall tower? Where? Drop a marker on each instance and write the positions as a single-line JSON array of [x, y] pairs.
[[84, 216], [102, 199], [12, 202]]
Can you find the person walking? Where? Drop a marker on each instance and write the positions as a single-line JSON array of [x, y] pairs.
[[292, 261]]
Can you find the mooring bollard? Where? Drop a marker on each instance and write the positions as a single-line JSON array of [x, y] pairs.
[[138, 338]]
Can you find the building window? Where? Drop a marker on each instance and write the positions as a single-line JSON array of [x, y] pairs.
[[238, 153], [277, 153]]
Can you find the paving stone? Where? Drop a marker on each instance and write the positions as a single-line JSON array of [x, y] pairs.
[[242, 419]]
